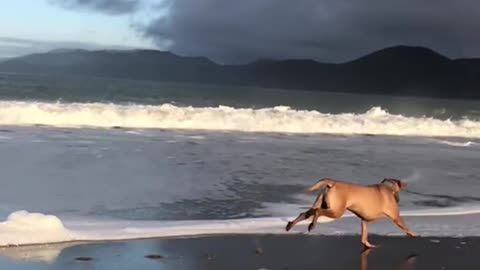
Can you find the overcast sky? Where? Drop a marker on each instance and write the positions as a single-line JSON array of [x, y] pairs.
[[229, 31]]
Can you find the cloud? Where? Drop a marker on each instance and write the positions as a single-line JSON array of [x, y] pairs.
[[110, 7], [325, 30]]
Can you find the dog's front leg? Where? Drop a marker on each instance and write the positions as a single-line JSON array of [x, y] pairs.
[[394, 215], [401, 224], [365, 242]]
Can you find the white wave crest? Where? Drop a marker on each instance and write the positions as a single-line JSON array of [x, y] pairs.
[[457, 144], [275, 119]]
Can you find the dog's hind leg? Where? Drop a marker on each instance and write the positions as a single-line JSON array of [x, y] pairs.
[[326, 205], [330, 213], [302, 216], [313, 224], [321, 201]]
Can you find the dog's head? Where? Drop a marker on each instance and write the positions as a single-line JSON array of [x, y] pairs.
[[397, 184]]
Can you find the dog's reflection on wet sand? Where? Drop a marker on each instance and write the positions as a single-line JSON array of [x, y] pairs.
[[407, 263]]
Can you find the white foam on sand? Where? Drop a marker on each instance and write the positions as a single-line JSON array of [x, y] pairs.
[[24, 228]]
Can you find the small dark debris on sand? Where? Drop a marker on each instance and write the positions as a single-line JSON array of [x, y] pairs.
[[154, 256], [211, 256], [83, 258]]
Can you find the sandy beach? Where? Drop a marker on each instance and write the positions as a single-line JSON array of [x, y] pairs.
[[249, 252], [184, 135]]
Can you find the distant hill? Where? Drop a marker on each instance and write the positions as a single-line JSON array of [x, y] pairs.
[[399, 70], [2, 59]]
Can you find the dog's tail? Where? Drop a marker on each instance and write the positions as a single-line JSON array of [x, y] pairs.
[[322, 182]]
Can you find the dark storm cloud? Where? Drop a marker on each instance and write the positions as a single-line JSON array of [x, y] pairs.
[[112, 7], [326, 30]]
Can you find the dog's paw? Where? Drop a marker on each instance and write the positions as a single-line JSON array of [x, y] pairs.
[[310, 227], [412, 234], [367, 245], [289, 226]]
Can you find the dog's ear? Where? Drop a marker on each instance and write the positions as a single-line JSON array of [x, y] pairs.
[[401, 184]]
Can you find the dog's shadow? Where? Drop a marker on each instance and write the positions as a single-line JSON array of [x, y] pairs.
[[407, 263]]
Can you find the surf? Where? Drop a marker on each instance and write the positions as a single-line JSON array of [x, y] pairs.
[[26, 228], [282, 119], [457, 144]]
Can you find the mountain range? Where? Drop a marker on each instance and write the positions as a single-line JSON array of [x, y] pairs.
[[398, 70]]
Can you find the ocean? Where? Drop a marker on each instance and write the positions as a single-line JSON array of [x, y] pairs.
[[103, 159]]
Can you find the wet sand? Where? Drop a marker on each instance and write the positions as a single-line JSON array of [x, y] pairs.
[[295, 251]]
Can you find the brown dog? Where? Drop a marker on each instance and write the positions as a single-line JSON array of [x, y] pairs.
[[369, 203]]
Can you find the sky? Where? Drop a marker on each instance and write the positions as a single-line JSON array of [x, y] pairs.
[[41, 25], [234, 31]]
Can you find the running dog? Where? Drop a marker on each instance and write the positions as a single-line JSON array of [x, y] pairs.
[[368, 202]]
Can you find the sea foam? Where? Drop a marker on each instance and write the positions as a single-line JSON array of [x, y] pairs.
[[24, 228]]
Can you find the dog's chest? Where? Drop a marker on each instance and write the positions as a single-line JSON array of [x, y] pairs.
[[365, 212]]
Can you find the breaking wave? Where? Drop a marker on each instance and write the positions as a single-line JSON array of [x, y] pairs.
[[222, 118], [457, 144]]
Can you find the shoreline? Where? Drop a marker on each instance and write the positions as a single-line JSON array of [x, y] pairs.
[[250, 251], [227, 235]]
